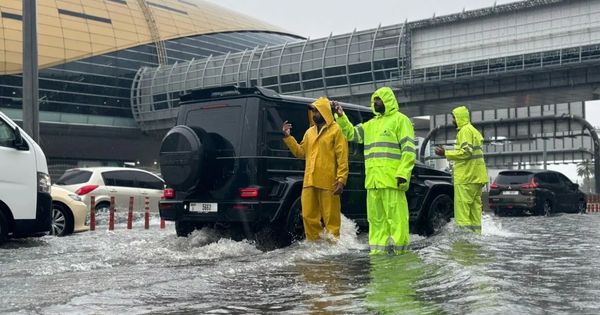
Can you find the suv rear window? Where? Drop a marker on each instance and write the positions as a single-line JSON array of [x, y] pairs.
[[223, 124], [73, 177], [511, 178]]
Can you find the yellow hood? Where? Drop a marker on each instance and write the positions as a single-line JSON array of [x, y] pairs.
[[461, 115], [323, 106]]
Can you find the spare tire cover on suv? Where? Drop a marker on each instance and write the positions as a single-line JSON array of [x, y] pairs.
[[183, 156]]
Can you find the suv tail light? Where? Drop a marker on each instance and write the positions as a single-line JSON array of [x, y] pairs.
[[531, 185], [249, 193], [168, 193], [494, 185], [85, 189]]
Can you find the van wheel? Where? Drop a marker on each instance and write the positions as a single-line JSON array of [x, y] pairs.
[[62, 221], [102, 207], [3, 228], [183, 229], [440, 212]]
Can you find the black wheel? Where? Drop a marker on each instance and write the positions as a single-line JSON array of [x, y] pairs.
[[581, 207], [294, 226], [3, 228], [498, 212], [546, 208], [62, 221], [185, 157], [183, 229], [439, 213]]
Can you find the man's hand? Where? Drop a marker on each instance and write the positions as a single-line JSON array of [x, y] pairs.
[[400, 181], [287, 128], [440, 151], [338, 108], [338, 188]]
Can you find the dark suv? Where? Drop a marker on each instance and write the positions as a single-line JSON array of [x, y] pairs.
[[536, 192], [226, 165]]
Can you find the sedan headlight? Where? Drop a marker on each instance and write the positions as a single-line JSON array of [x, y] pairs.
[[44, 183], [75, 197]]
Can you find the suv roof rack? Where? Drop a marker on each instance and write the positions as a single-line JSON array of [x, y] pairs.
[[228, 90]]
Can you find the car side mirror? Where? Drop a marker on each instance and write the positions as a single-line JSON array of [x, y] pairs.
[[19, 143]]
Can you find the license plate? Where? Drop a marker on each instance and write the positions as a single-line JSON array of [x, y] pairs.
[[203, 207], [510, 192]]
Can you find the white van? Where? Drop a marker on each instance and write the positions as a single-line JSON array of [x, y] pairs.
[[25, 202]]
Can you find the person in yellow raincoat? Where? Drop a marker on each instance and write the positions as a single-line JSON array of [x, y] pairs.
[[470, 173], [326, 153], [389, 150]]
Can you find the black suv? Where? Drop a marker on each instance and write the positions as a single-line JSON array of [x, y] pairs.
[[226, 165], [535, 192]]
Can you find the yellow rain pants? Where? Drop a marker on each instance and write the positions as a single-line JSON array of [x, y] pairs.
[[387, 212], [320, 204], [467, 206]]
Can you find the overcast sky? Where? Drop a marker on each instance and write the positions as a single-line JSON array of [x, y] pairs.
[[315, 19]]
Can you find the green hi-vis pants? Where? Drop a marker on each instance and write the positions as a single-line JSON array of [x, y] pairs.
[[387, 211], [467, 206]]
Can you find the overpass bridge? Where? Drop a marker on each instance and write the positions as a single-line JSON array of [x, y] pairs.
[[524, 53]]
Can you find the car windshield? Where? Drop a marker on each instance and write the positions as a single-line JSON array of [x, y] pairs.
[[512, 178], [73, 177]]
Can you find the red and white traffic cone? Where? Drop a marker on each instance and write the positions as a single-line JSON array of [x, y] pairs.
[[92, 213], [111, 215]]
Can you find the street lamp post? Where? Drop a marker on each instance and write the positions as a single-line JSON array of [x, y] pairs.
[[31, 110]]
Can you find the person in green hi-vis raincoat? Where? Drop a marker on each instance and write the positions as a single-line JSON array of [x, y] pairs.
[[470, 173], [390, 153]]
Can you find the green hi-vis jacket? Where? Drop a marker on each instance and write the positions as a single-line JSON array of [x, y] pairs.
[[389, 143], [469, 166]]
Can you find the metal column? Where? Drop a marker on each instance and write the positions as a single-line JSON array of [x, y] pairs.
[[31, 107]]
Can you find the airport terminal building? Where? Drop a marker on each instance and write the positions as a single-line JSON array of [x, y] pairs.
[[89, 54]]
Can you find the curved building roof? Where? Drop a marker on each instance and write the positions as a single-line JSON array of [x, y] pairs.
[[74, 29]]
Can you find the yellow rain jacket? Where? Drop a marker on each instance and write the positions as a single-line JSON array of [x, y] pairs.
[[326, 155], [470, 173], [389, 143], [324, 166], [469, 165]]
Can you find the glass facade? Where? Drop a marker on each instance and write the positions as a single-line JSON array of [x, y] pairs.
[[101, 85]]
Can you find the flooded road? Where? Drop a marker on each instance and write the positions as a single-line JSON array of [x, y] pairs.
[[521, 265]]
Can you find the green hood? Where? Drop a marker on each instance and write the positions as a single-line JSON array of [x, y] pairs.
[[461, 114], [389, 101]]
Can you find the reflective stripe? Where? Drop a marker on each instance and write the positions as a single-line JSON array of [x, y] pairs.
[[475, 156], [395, 156], [361, 131], [401, 247], [355, 135], [390, 145], [409, 149], [473, 147], [407, 138], [474, 228], [378, 247]]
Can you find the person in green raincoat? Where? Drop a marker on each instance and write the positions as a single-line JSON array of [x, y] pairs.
[[390, 153], [470, 173]]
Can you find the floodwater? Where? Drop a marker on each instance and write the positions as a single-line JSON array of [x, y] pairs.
[[520, 265]]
